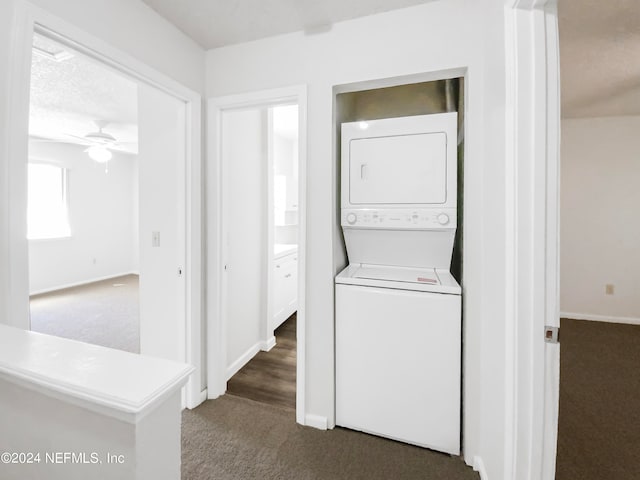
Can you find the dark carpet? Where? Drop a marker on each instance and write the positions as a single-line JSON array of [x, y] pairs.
[[599, 419], [103, 313], [233, 438], [270, 377]]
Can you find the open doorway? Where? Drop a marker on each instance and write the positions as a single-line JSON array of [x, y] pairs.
[[260, 202], [599, 242], [82, 208], [260, 144], [270, 375], [106, 210], [169, 186]]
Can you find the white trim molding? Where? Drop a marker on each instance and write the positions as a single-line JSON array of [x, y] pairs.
[[316, 421], [478, 466], [243, 360], [269, 344], [531, 171], [87, 281], [600, 318]]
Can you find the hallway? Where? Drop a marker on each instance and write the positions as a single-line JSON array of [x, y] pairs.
[[270, 377]]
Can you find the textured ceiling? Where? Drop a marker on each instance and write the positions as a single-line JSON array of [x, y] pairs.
[[214, 23], [599, 57], [68, 95]]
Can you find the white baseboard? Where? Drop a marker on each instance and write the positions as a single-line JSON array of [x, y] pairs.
[[213, 394], [316, 421], [478, 466], [84, 282], [269, 344], [600, 318], [243, 360]]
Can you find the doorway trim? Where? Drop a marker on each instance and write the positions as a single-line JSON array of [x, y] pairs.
[[532, 257], [216, 322], [29, 19]]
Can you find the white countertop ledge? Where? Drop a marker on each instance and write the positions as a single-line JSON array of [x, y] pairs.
[[111, 382], [283, 249]]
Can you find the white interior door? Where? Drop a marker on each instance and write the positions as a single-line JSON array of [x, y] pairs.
[[244, 232], [161, 135]]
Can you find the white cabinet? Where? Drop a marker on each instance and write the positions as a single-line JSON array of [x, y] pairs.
[[284, 289]]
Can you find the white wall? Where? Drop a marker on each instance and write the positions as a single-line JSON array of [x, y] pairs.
[[600, 232], [102, 217], [436, 36], [31, 419], [244, 134]]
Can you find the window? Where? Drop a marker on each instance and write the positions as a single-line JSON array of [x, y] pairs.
[[47, 215]]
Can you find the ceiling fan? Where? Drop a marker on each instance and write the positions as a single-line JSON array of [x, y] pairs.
[[100, 142]]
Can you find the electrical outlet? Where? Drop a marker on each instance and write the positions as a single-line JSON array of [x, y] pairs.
[[608, 289]]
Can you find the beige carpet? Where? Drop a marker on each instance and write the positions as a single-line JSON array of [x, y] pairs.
[[233, 438], [103, 313]]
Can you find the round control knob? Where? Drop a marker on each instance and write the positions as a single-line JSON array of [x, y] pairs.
[[443, 219], [351, 218]]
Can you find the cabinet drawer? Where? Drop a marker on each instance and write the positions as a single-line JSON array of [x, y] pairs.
[[285, 287], [285, 262]]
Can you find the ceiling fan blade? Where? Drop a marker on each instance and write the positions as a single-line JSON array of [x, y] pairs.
[[122, 149], [83, 140]]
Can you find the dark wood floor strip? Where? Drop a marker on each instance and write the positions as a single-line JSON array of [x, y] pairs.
[[270, 377]]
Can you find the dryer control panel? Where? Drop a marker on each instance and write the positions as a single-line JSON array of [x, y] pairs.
[[399, 219]]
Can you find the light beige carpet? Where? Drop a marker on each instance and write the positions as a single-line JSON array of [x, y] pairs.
[[233, 438], [103, 313]]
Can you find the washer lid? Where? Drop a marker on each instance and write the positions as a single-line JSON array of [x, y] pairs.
[[400, 278], [426, 276]]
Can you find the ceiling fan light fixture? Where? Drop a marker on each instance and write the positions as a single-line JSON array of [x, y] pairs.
[[99, 153]]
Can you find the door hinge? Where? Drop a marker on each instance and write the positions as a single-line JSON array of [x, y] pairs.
[[180, 270], [551, 334]]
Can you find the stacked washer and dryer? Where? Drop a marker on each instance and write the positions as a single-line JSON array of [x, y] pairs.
[[398, 308]]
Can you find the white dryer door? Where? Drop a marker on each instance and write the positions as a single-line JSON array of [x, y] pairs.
[[398, 169]]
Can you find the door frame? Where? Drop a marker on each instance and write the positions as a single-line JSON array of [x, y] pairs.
[[532, 269], [29, 19], [216, 230]]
